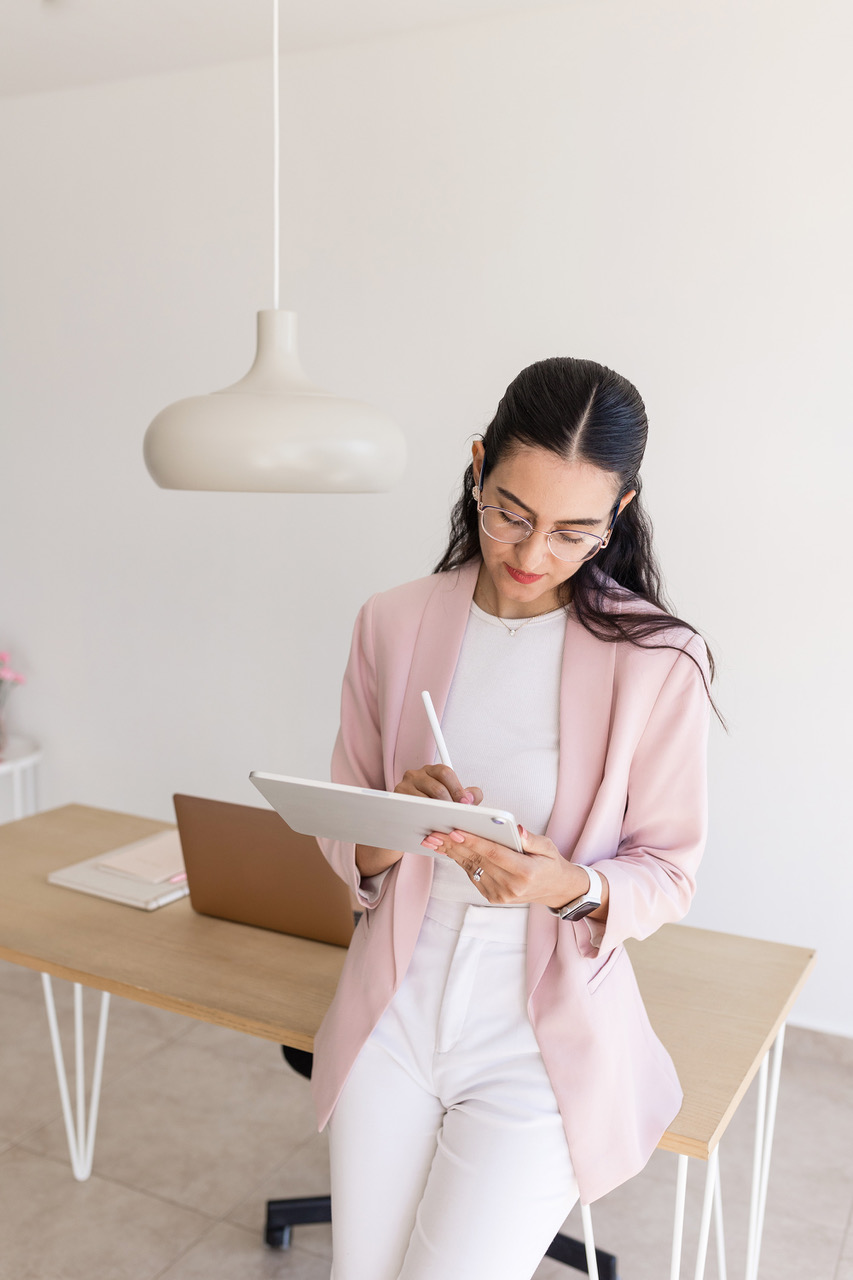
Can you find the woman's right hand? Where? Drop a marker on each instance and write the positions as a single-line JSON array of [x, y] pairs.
[[437, 782]]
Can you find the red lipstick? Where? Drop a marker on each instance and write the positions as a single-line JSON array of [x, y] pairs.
[[525, 579]]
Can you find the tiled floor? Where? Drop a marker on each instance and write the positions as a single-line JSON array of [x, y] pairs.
[[199, 1126]]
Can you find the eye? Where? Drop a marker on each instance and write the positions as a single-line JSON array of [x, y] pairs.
[[514, 522], [567, 538]]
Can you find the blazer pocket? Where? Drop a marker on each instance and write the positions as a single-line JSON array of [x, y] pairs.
[[605, 969]]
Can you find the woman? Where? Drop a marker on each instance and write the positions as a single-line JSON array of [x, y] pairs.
[[487, 1058]]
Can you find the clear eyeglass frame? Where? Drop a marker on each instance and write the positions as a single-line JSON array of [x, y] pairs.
[[582, 547]]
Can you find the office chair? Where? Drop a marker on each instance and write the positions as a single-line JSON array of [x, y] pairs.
[[284, 1215]]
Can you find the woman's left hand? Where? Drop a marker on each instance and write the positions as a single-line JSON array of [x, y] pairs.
[[540, 874]]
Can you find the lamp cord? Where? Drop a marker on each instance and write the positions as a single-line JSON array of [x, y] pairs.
[[276, 145]]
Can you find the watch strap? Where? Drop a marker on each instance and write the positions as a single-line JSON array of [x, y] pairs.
[[586, 903]]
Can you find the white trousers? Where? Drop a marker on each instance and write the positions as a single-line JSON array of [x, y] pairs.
[[449, 1157]]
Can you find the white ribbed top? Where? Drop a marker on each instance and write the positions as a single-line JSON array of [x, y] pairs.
[[501, 724]]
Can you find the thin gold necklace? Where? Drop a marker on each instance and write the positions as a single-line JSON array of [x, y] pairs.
[[512, 630]]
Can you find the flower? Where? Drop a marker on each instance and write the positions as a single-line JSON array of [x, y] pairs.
[[8, 677]]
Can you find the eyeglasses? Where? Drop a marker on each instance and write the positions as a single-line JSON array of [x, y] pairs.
[[572, 545]]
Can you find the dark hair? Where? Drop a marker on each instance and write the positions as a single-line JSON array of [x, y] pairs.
[[585, 412]]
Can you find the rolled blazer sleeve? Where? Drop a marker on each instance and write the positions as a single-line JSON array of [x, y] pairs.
[[357, 756], [652, 875]]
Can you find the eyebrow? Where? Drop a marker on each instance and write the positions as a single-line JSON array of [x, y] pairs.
[[579, 520]]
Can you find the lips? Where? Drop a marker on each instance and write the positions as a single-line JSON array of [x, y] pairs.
[[524, 579]]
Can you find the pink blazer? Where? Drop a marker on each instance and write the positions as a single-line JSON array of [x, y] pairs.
[[631, 797]]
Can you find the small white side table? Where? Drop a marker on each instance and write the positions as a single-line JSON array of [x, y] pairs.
[[20, 760]]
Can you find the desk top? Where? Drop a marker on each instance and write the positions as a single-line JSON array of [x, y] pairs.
[[717, 1001]]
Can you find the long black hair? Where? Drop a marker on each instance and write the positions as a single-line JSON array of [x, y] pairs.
[[583, 411]]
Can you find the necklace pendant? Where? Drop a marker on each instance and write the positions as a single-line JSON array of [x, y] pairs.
[[512, 631]]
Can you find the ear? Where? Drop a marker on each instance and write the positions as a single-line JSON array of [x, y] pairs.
[[629, 497], [478, 453], [623, 502]]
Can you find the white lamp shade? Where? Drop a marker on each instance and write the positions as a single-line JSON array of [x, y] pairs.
[[274, 432]]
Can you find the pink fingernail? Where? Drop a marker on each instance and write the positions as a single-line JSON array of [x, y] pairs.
[[466, 798], [457, 837]]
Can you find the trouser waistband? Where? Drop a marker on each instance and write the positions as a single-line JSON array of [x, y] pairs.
[[494, 924]]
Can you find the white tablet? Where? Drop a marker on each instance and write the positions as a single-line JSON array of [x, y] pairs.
[[379, 818]]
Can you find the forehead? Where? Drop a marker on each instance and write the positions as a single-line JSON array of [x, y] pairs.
[[553, 486]]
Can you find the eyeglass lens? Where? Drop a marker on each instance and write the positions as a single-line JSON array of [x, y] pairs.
[[568, 544]]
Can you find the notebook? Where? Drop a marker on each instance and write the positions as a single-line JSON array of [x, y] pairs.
[[245, 864], [148, 873]]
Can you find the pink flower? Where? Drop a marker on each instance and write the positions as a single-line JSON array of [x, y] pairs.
[[6, 672]]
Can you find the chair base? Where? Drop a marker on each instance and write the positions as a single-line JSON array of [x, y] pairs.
[[284, 1215]]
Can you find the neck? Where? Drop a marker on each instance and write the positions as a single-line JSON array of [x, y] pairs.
[[490, 600]]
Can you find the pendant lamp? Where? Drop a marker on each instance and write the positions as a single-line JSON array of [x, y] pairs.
[[273, 431]]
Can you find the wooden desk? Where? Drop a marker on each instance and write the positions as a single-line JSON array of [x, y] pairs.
[[718, 1002]]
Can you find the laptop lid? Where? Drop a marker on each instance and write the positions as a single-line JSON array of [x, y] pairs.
[[245, 864]]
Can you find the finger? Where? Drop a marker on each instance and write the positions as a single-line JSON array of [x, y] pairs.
[[536, 844], [445, 775], [465, 845], [476, 795], [423, 782]]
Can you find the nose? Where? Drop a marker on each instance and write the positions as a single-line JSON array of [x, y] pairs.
[[534, 553]]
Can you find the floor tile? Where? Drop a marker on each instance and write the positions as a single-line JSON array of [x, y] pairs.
[[800, 1042], [236, 1046], [548, 1269], [304, 1173], [635, 1222], [811, 1172], [847, 1243], [54, 1228], [198, 1130], [227, 1252]]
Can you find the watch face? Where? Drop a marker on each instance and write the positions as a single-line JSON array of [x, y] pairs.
[[583, 909]]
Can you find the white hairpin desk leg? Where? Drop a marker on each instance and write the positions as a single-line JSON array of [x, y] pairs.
[[678, 1224], [719, 1232], [711, 1205], [589, 1242], [711, 1181], [80, 1133], [765, 1122]]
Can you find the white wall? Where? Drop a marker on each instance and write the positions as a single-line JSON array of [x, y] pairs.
[[662, 187]]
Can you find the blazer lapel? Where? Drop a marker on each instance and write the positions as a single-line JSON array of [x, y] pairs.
[[434, 660], [586, 698]]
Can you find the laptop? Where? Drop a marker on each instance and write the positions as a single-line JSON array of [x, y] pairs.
[[245, 864]]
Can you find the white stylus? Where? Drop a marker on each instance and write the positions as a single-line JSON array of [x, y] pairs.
[[443, 754]]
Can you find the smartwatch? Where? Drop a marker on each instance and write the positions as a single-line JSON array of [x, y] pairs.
[[584, 905]]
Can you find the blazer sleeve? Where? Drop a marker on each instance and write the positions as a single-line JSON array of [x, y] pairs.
[[652, 874], [357, 755]]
